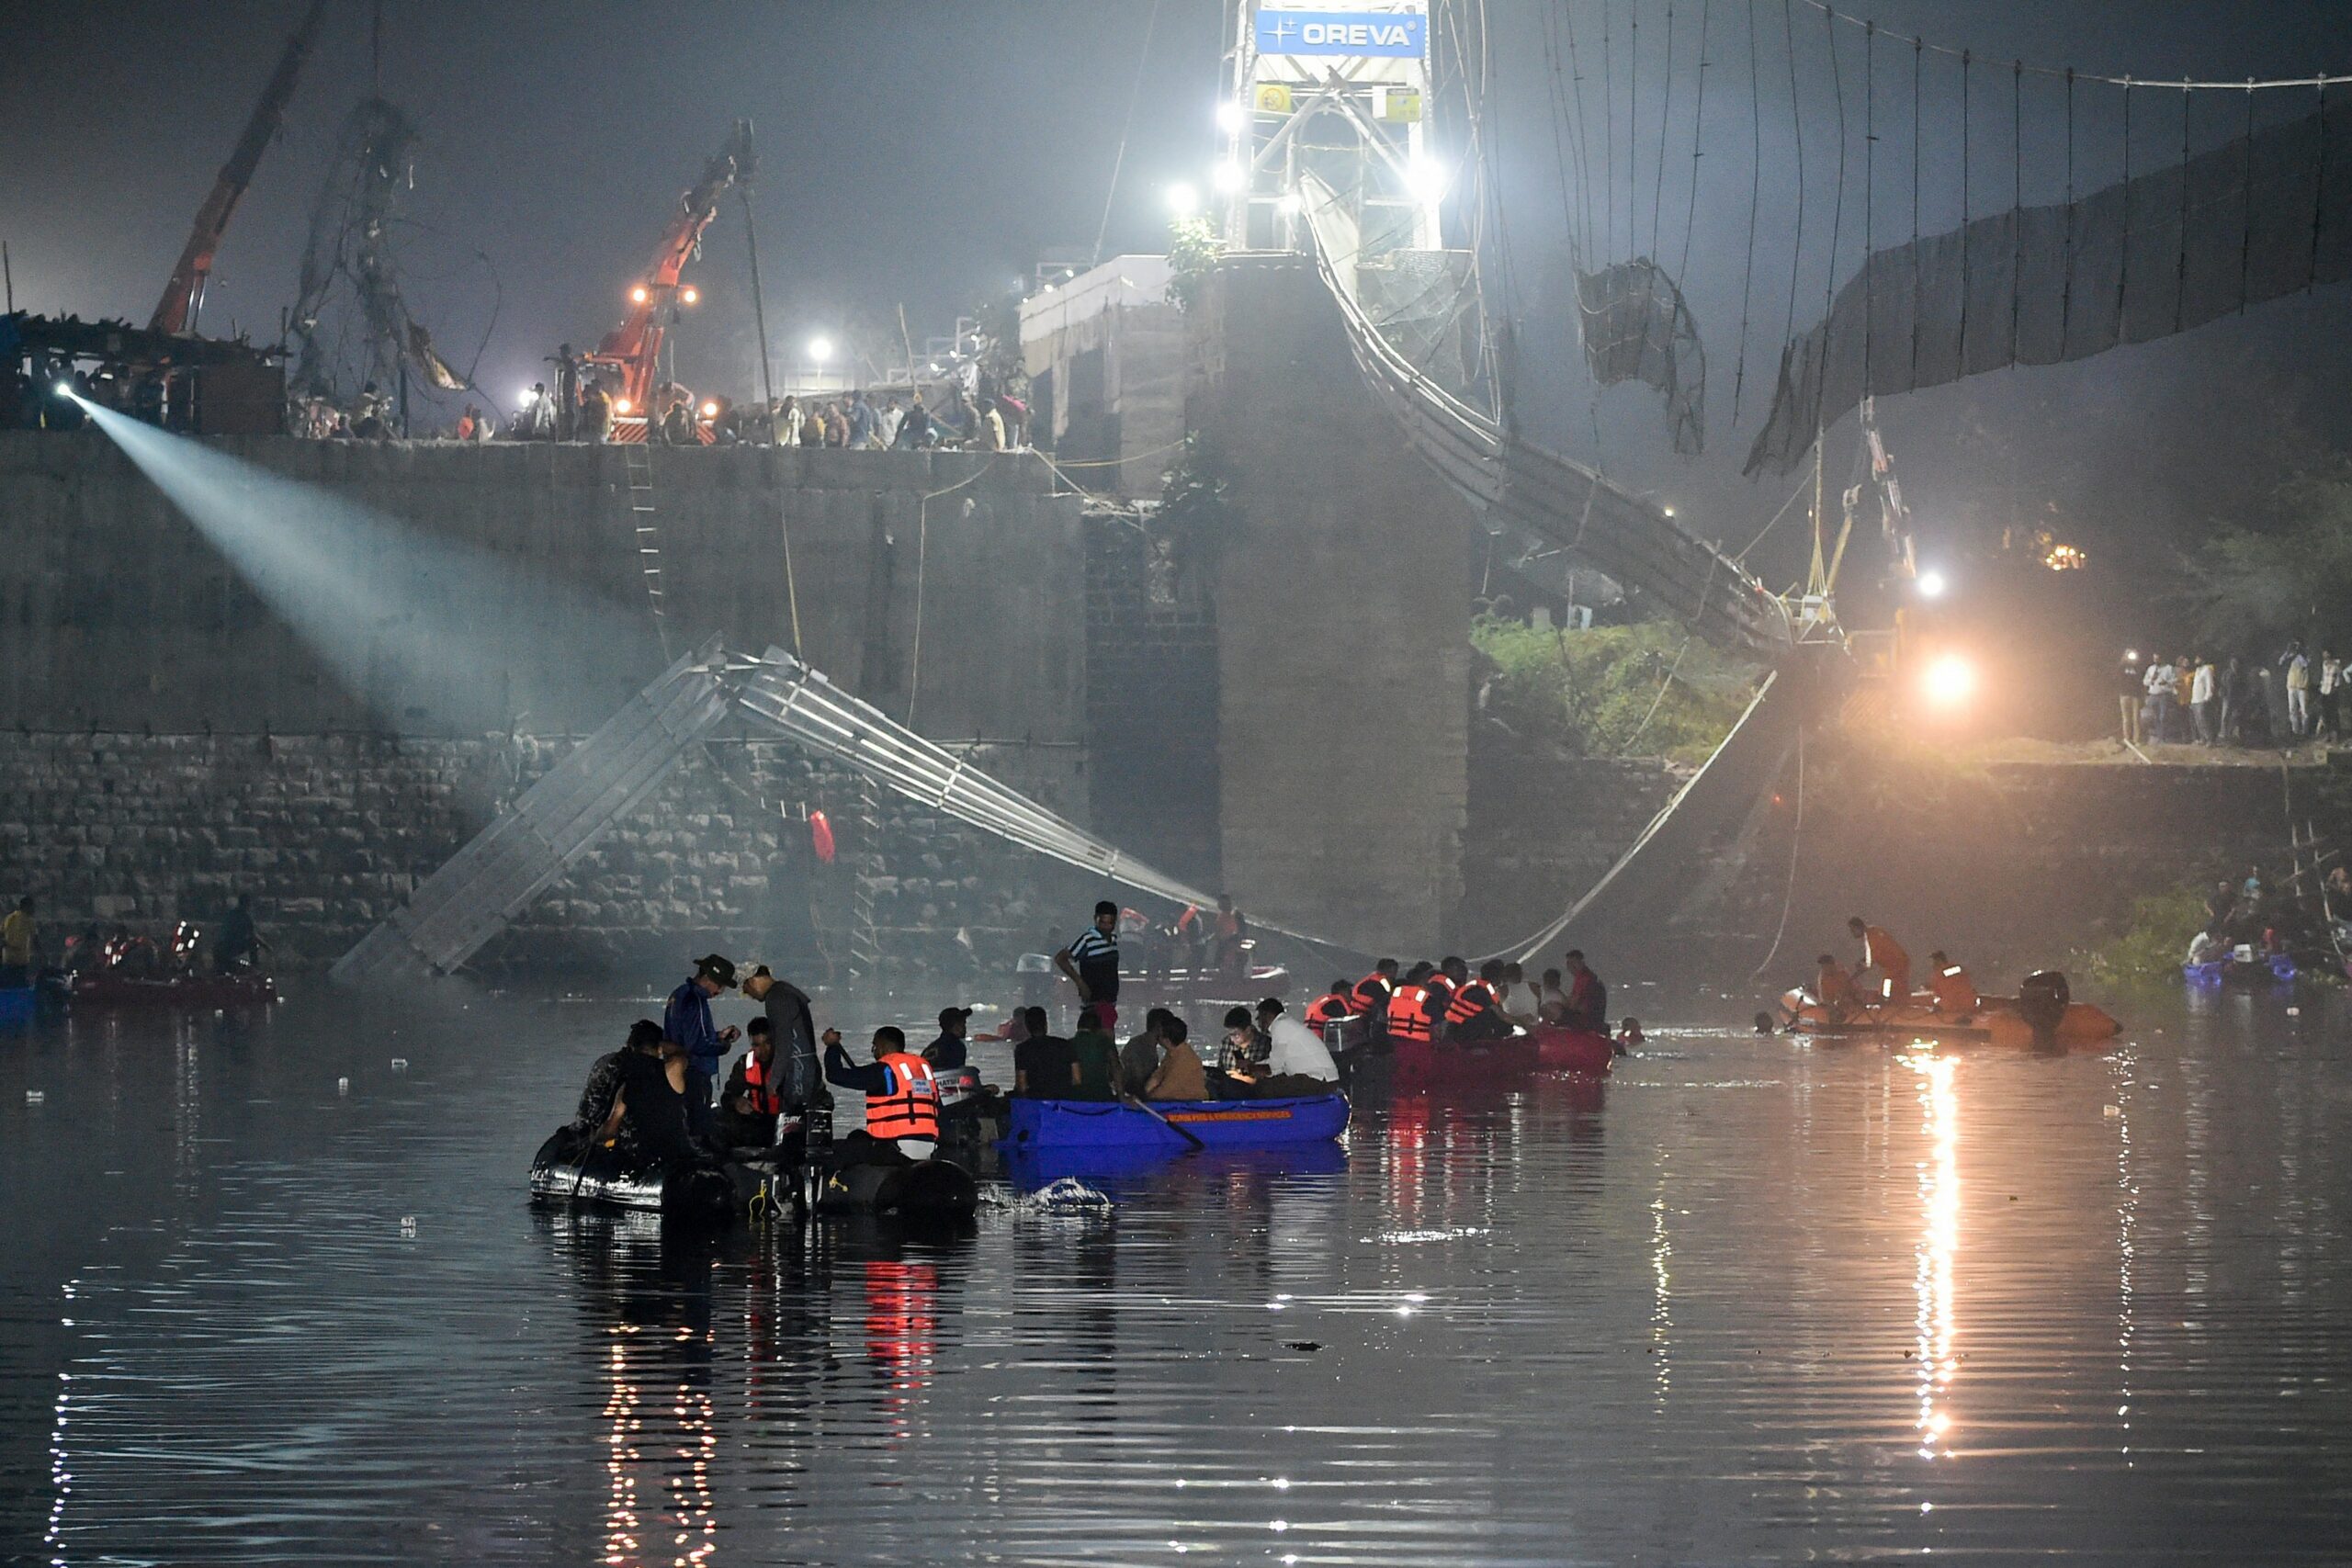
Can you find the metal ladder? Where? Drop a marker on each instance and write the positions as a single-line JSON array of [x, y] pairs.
[[866, 936], [638, 461]]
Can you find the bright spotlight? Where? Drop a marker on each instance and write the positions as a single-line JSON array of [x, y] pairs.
[[1291, 203], [1427, 181], [1950, 681], [689, 295], [711, 409], [622, 405], [638, 295], [1229, 117], [1182, 199], [1932, 584], [525, 398], [63, 388], [820, 349], [1226, 176]]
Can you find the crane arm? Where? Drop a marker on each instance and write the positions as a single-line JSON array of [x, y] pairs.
[[184, 294], [635, 347]]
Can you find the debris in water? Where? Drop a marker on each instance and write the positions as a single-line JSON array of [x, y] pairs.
[[1068, 1195], [408, 1227], [343, 1086], [1302, 1344], [34, 1096], [2113, 1110], [400, 1064]]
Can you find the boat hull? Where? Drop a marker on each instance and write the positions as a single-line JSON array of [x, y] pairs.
[[1218, 1123], [1572, 1050], [1421, 1065], [1996, 1021], [602, 1177], [185, 992]]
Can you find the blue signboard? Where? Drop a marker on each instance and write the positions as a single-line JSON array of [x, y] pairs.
[[1394, 34]]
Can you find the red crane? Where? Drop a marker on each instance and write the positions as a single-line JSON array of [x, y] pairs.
[[633, 349], [183, 298]]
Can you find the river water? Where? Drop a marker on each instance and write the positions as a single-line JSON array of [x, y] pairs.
[[1757, 1302]]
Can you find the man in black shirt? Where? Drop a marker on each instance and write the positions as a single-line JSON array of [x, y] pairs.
[[1042, 1065], [609, 1072], [1093, 964], [948, 1052]]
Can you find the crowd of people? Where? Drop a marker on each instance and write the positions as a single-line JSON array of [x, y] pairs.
[[2188, 699], [234, 946], [668, 1095], [1880, 982], [2252, 921]]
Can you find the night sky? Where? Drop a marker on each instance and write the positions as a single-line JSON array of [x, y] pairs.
[[925, 155]]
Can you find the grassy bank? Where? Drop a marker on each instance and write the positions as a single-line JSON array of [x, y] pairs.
[[1647, 690]]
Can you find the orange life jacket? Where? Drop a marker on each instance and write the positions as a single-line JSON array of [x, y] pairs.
[[1409, 1016], [1372, 994], [759, 1086], [1955, 992], [1472, 1000], [1328, 1009], [911, 1108]]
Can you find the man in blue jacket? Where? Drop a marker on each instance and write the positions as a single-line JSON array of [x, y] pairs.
[[687, 1020]]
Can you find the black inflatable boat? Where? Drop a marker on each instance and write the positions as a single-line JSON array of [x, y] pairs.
[[568, 1169], [565, 1172]]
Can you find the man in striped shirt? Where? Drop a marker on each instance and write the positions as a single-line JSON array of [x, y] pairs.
[[1093, 964]]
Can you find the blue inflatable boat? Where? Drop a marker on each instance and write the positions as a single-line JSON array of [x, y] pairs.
[[1216, 1123]]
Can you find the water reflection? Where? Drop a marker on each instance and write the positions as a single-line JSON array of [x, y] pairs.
[[1939, 1246], [1719, 1317]]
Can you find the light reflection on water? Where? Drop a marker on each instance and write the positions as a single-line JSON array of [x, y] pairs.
[[1758, 1301]]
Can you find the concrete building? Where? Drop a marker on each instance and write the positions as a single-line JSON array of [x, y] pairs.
[[1105, 358]]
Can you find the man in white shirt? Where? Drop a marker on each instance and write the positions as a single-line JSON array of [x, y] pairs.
[[2200, 700], [2299, 688], [2163, 684], [1296, 1062]]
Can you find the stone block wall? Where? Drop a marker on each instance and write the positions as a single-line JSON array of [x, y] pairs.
[[328, 834], [1543, 828]]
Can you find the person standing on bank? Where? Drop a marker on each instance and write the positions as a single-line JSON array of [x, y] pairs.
[[686, 1019], [1093, 964]]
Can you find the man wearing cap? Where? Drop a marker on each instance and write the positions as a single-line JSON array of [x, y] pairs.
[[948, 1052], [686, 1019]]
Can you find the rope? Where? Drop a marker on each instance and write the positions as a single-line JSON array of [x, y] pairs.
[[1118, 159], [1837, 213], [2184, 84], [1796, 838], [1664, 114], [1796, 119], [1627, 747], [1755, 190], [1609, 125], [1802, 486], [1114, 462]]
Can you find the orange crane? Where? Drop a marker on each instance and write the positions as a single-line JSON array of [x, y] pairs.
[[183, 298], [632, 351]]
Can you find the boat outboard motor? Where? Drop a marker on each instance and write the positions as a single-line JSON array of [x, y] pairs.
[[2042, 1000]]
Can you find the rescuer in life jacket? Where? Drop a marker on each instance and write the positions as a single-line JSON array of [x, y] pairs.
[[1371, 993], [1410, 1014], [901, 1099], [1333, 1005], [1883, 953], [1475, 1012], [1955, 993], [753, 1097], [1833, 988]]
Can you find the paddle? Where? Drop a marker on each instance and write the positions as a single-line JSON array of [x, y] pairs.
[[1183, 1132]]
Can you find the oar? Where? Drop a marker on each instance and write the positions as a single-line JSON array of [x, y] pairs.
[[1183, 1132]]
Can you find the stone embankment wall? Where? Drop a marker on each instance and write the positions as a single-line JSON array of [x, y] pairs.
[[327, 835], [176, 736], [2021, 865], [1543, 828]]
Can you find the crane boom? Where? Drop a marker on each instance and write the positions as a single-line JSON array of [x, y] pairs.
[[634, 348], [183, 298]]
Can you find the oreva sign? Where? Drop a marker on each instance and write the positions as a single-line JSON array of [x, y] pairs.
[[1397, 34]]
